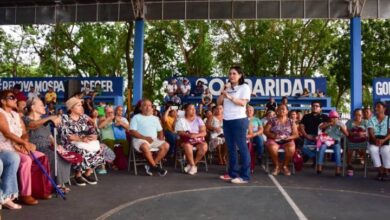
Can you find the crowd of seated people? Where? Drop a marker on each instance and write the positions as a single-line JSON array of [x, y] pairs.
[[197, 131], [27, 144]]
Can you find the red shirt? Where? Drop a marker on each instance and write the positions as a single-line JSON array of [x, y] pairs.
[[20, 96]]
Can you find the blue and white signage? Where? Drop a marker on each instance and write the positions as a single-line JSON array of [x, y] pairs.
[[381, 88], [110, 85], [264, 86]]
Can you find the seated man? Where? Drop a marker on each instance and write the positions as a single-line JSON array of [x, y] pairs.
[[147, 133], [309, 129]]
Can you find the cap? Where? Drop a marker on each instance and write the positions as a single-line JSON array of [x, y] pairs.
[[333, 114]]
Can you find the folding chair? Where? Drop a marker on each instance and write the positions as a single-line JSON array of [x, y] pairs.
[[138, 159], [181, 159], [356, 146]]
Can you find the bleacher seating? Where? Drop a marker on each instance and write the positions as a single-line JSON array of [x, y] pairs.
[[113, 100], [297, 103]]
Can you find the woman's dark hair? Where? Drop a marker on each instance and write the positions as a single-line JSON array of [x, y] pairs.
[[283, 105], [292, 111], [357, 109], [4, 94], [239, 71], [380, 103], [185, 106]]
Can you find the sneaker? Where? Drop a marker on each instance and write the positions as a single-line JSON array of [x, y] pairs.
[[79, 181], [225, 177], [187, 168], [161, 171], [101, 171], [193, 170], [148, 170], [239, 180], [89, 179]]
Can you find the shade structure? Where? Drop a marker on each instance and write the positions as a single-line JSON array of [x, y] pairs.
[[62, 11]]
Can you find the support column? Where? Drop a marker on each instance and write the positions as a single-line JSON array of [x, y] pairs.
[[356, 64], [138, 60]]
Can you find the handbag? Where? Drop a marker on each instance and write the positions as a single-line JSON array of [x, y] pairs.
[[71, 157], [380, 137], [357, 138], [119, 132], [298, 161], [192, 141], [92, 146]]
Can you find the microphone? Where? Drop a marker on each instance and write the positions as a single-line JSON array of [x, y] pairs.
[[228, 85]]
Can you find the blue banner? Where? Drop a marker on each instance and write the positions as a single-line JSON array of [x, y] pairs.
[[261, 86], [381, 88], [111, 86]]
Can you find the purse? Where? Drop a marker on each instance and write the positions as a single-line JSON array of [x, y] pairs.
[[380, 137], [192, 141], [92, 146], [71, 157], [119, 132], [298, 161]]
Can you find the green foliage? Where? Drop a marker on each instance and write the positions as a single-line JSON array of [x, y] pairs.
[[307, 48]]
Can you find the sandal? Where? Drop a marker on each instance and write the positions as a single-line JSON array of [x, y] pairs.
[[11, 205], [286, 171], [276, 171], [64, 189]]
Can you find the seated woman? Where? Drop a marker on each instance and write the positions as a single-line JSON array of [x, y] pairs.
[[281, 132], [168, 122], [217, 139], [9, 163], [40, 135], [379, 133], [334, 129], [79, 135], [113, 127], [257, 131], [13, 137], [358, 137], [192, 132]]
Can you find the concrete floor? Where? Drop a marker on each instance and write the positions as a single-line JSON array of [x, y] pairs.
[[121, 195]]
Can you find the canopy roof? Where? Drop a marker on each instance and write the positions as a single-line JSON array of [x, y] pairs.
[[52, 11]]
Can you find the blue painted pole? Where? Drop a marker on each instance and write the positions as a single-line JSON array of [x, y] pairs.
[[138, 60], [356, 63]]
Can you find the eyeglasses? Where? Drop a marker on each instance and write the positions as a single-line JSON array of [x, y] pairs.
[[316, 106], [11, 97]]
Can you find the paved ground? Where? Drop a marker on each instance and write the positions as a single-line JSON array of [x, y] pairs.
[[120, 195]]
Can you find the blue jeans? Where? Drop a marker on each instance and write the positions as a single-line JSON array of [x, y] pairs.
[[171, 139], [337, 152], [9, 163], [258, 140], [307, 151], [235, 137]]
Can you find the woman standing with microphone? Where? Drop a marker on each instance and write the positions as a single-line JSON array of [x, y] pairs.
[[234, 98]]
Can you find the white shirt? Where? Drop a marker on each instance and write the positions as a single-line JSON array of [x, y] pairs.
[[171, 88], [32, 95], [185, 88], [232, 111], [146, 125]]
